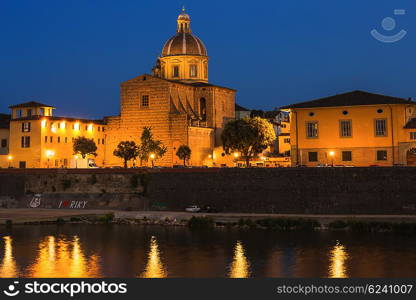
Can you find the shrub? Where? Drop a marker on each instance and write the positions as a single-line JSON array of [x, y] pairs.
[[339, 224], [60, 221], [66, 184], [75, 219], [200, 222]]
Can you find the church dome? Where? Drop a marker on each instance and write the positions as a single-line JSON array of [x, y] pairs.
[[184, 42]]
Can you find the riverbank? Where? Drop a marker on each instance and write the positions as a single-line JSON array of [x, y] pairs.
[[396, 223]]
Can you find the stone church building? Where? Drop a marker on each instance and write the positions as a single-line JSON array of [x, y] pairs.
[[177, 102]]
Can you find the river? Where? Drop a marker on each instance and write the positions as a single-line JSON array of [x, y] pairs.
[[73, 250]]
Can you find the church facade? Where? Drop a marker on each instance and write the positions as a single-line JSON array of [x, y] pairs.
[[176, 100]]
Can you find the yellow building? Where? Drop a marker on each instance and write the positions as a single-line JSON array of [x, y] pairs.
[[40, 140], [353, 129]]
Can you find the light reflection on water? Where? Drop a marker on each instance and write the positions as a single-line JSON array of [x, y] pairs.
[[63, 258], [159, 252], [240, 267], [8, 267], [338, 258], [154, 267]]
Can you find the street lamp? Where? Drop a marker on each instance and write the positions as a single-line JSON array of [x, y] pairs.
[[49, 154], [332, 154], [10, 158], [76, 161], [152, 157]]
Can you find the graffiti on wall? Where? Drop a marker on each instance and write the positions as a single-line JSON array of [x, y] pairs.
[[72, 204]]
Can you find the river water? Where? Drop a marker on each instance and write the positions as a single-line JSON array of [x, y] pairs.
[[153, 251]]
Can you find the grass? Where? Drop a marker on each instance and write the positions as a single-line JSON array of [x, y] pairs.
[[200, 222]]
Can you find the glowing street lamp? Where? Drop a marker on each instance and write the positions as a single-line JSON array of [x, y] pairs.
[[152, 157], [49, 155], [10, 158], [236, 155], [332, 154]]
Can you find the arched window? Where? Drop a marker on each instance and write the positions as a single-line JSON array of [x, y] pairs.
[[203, 109]]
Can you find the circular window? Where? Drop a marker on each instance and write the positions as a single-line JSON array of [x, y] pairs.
[[345, 112], [380, 111], [311, 114]]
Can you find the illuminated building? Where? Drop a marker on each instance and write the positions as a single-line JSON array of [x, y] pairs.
[[353, 129]]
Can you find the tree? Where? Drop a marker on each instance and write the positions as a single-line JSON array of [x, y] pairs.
[[84, 146], [250, 136], [150, 148], [126, 150], [184, 153]]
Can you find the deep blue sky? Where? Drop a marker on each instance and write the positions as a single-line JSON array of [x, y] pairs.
[[74, 54]]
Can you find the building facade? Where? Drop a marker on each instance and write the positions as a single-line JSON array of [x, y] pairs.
[[353, 129]]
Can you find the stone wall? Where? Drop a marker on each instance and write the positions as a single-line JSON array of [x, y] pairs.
[[285, 190]]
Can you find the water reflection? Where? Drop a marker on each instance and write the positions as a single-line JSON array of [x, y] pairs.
[[337, 266], [63, 258], [8, 266], [240, 267], [154, 267]]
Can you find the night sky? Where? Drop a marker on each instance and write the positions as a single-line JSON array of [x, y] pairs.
[[74, 54]]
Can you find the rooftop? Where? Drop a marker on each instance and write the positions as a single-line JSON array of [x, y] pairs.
[[354, 98], [55, 118], [30, 104], [240, 108]]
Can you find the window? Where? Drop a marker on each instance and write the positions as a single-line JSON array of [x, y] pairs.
[[311, 114], [379, 111], [345, 112], [102, 141], [346, 156], [380, 127], [145, 101], [59, 139], [99, 141], [345, 128], [193, 70], [42, 111], [312, 129], [19, 113], [51, 139], [287, 141], [46, 139], [26, 127], [66, 140], [4, 143], [65, 162], [413, 135], [175, 71], [205, 70], [25, 141], [381, 154], [313, 156], [99, 128], [22, 164], [29, 112]]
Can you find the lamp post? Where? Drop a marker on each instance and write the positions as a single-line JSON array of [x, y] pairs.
[[10, 158], [152, 157], [331, 154], [76, 161]]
